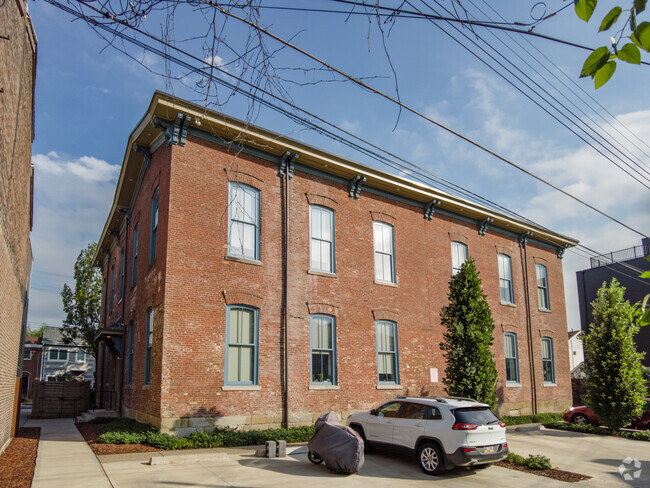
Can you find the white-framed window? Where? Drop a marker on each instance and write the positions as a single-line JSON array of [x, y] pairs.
[[58, 354], [129, 365], [548, 364], [27, 354], [122, 273], [387, 353], [322, 349], [134, 263], [80, 356], [242, 332], [505, 279], [153, 238], [243, 221], [458, 256], [148, 345], [512, 358], [384, 244], [542, 287], [321, 239]]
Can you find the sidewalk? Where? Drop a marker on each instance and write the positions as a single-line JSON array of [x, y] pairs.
[[64, 459]]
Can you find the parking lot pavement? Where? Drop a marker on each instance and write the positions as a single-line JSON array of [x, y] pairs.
[[596, 456], [242, 469]]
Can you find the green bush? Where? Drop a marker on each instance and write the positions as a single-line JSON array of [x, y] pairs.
[[536, 461], [102, 420], [592, 429], [639, 436], [129, 431], [532, 419]]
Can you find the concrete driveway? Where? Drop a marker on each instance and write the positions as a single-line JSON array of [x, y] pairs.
[[596, 456], [242, 469]]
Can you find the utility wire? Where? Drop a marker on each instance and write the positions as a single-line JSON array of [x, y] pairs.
[[536, 102]]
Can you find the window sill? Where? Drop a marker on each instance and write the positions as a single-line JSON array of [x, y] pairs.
[[508, 304], [241, 388], [550, 384], [544, 310], [513, 385], [386, 283], [322, 273], [243, 260], [389, 387], [324, 387], [146, 387]]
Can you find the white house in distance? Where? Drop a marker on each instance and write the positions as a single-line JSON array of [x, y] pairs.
[[576, 351], [60, 358]]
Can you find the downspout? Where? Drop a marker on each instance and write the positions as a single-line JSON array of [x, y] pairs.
[[529, 323], [127, 212], [286, 171]]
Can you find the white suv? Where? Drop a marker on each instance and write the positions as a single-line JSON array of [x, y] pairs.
[[443, 432]]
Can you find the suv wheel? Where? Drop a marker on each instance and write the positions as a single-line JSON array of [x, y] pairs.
[[430, 459], [359, 430]]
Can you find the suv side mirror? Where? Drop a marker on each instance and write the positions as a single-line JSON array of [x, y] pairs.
[[373, 411]]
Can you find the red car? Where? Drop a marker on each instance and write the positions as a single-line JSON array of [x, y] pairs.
[[585, 415]]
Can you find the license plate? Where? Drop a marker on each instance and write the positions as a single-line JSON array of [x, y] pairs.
[[488, 450]]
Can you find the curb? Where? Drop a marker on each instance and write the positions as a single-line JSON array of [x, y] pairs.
[[525, 427]]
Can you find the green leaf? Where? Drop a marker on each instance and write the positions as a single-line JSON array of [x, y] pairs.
[[604, 74], [584, 8], [595, 61], [630, 54], [639, 5], [645, 274], [610, 18], [632, 20], [642, 34]]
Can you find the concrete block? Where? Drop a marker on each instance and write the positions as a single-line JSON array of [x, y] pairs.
[[282, 449], [270, 449]]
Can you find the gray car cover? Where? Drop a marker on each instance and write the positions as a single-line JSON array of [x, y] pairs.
[[338, 445]]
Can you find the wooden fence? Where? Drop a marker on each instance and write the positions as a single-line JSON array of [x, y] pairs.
[[60, 399]]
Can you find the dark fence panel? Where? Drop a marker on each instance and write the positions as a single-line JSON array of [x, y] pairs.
[[60, 399]]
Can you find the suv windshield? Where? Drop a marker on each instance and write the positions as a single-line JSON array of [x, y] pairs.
[[475, 415]]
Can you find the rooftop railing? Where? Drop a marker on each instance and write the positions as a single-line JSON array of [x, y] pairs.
[[622, 255]]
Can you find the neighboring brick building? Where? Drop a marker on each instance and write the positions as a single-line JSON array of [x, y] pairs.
[[204, 325], [626, 265], [17, 72], [32, 356]]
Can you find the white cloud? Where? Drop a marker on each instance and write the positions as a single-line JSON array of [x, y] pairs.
[[353, 126], [87, 168]]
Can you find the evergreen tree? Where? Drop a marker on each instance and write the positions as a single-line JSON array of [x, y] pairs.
[[471, 370], [82, 305], [615, 387]]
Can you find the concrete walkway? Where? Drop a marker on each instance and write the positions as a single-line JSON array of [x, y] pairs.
[[64, 459]]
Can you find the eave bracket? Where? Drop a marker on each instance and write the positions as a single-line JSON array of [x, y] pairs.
[[483, 225], [355, 186], [430, 209]]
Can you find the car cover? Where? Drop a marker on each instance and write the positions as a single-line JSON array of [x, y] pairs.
[[338, 445]]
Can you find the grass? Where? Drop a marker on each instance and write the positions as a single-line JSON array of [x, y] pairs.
[[532, 419], [592, 429], [129, 431]]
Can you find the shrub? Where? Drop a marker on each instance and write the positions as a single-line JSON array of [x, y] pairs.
[[538, 462], [121, 438], [126, 425], [515, 458], [102, 420], [532, 419], [592, 429], [639, 436]]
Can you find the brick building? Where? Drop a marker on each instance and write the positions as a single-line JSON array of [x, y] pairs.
[[31, 370], [17, 72], [253, 280]]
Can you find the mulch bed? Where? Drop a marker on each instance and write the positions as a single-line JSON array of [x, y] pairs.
[[556, 474], [19, 458], [90, 433]]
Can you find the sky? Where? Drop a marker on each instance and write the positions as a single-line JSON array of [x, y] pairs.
[[90, 96]]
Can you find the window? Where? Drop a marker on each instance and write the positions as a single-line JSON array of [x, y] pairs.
[[80, 356], [548, 367], [27, 354], [542, 287], [243, 221], [122, 272], [105, 304], [512, 360], [58, 354], [505, 279], [148, 344], [154, 227], [384, 252], [321, 239], [105, 369], [129, 364], [458, 256], [322, 342], [387, 363], [135, 254], [242, 352], [110, 299], [389, 410]]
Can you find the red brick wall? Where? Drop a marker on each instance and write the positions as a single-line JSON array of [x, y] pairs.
[[17, 58], [198, 283]]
